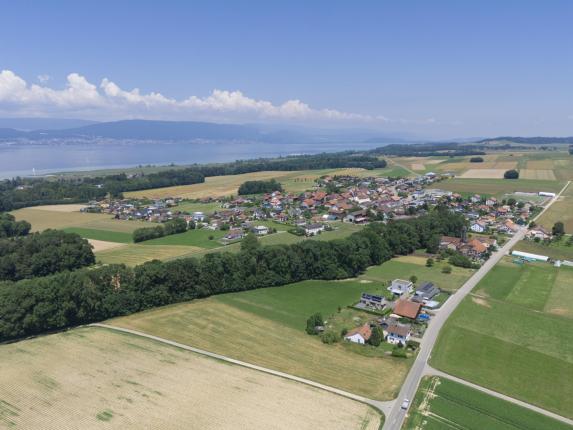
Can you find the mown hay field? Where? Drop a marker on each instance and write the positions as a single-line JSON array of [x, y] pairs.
[[441, 403], [94, 378], [266, 327], [499, 187], [483, 173], [516, 318]]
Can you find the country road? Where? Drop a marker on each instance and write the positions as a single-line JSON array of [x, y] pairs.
[[395, 419]]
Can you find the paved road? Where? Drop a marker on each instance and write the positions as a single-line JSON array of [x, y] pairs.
[[395, 419], [431, 371], [381, 406]]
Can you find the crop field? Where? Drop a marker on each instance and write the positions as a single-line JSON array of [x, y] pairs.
[[561, 210], [102, 245], [266, 327], [498, 187], [442, 404], [198, 238], [43, 218], [483, 173], [543, 174], [135, 254], [406, 266], [514, 334], [92, 378]]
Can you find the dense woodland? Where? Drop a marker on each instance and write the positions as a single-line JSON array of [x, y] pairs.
[[22, 192], [68, 299], [259, 187], [41, 254]]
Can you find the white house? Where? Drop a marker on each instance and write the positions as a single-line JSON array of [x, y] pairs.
[[396, 334], [260, 230], [478, 227], [198, 216], [400, 287], [313, 229], [359, 334]]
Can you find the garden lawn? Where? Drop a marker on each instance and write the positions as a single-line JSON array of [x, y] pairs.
[[406, 266], [444, 404], [266, 327], [105, 235], [514, 335]]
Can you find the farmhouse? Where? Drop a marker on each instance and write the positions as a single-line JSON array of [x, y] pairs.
[[359, 334], [372, 301], [407, 309], [400, 287], [539, 233], [398, 333], [449, 242]]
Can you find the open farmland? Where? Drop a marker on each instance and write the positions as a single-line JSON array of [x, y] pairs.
[[444, 404], [134, 254], [483, 173], [517, 315], [561, 210], [266, 327], [102, 235], [499, 187], [92, 378], [543, 174], [222, 186]]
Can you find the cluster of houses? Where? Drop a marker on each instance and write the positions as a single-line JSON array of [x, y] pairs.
[[476, 248], [160, 210], [409, 304]]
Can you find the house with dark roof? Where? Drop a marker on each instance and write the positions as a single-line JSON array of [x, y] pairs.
[[427, 291], [398, 333]]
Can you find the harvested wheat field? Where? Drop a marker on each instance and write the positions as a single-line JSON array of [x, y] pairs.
[[483, 174], [102, 245], [60, 208], [537, 174], [92, 378]]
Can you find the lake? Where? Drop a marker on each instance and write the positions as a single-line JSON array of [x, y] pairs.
[[27, 159]]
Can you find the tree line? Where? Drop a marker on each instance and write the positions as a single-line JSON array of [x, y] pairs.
[[259, 187], [34, 306], [174, 226], [22, 192], [41, 254]]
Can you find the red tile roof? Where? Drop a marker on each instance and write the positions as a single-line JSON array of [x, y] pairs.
[[407, 309]]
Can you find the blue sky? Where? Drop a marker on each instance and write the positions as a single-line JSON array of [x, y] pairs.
[[434, 69]]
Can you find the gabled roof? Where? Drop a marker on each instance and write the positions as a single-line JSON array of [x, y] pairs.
[[363, 331], [408, 309]]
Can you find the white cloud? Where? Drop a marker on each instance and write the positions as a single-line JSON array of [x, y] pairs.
[[82, 98]]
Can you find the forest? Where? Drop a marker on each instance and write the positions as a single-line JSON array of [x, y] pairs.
[[41, 254], [259, 187], [38, 305], [23, 192]]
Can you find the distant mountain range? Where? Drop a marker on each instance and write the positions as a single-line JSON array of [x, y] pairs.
[[187, 131], [30, 124]]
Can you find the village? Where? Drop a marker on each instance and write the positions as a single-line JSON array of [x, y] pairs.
[[332, 200]]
